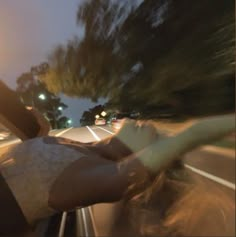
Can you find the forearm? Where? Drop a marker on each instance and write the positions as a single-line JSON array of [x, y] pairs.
[[108, 181], [211, 129], [162, 152]]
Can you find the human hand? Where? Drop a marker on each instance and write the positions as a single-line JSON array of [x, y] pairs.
[[136, 135]]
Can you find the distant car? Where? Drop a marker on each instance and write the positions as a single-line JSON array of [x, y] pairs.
[[100, 121]]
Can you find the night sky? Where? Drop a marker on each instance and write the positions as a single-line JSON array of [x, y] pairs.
[[29, 30]]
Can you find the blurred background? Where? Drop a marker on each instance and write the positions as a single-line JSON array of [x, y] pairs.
[[153, 59], [87, 65]]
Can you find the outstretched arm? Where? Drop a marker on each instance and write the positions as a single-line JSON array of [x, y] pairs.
[[162, 152], [94, 179]]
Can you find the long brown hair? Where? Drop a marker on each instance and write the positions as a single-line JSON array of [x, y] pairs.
[[178, 203]]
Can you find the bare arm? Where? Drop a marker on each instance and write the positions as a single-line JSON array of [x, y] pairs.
[[162, 152], [94, 179]]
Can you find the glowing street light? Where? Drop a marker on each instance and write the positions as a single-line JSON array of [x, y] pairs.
[[42, 97], [97, 116], [69, 121], [103, 113], [60, 108]]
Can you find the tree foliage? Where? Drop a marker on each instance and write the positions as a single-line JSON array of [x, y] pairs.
[[88, 117], [29, 88], [161, 56]]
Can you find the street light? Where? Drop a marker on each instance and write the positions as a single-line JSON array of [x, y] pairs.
[[103, 113], [60, 108], [42, 97], [69, 121], [97, 116]]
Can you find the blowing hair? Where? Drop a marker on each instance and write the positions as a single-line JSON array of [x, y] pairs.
[[178, 203]]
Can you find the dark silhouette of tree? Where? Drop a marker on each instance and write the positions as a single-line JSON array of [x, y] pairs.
[[33, 93], [63, 122], [88, 117], [176, 55]]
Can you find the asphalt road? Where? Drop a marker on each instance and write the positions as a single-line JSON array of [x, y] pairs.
[[211, 164], [214, 166], [208, 163]]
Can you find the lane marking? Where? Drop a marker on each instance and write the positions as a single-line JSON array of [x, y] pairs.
[[93, 133], [62, 225], [220, 150], [106, 130], [79, 223], [18, 140], [62, 132], [10, 143], [93, 221], [200, 172], [211, 177], [85, 222]]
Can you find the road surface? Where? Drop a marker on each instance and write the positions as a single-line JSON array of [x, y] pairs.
[[209, 164], [205, 162]]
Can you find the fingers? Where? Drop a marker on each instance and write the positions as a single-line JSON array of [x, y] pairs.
[[128, 124], [148, 127], [136, 127], [137, 134]]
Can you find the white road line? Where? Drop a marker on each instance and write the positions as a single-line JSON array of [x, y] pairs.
[[220, 150], [10, 143], [93, 221], [212, 177], [106, 130], [62, 132], [200, 172], [85, 222], [93, 133], [18, 140], [62, 225]]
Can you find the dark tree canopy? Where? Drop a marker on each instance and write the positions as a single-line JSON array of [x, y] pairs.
[[88, 117], [161, 56], [33, 93]]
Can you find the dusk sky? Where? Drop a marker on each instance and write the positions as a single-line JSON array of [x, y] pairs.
[[29, 30]]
